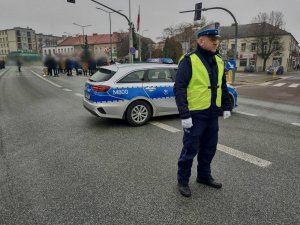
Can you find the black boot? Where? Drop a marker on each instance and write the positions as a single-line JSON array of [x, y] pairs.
[[184, 190], [210, 182]]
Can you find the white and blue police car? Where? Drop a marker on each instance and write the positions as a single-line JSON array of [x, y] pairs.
[[134, 92]]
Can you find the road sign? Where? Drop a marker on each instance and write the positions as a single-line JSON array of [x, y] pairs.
[[132, 50], [230, 65]]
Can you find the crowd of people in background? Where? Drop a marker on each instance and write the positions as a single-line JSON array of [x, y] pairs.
[[63, 65]]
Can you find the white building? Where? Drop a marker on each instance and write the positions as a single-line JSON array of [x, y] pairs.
[[247, 48]]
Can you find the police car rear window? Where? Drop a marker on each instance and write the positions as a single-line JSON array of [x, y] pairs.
[[102, 75]]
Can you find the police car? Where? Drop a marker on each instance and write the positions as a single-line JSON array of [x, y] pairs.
[[134, 92]]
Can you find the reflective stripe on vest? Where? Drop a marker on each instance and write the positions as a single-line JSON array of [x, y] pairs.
[[199, 88]]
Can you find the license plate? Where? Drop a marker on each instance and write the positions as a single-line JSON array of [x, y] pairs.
[[87, 96]]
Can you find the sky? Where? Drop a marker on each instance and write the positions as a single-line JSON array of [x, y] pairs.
[[57, 16]]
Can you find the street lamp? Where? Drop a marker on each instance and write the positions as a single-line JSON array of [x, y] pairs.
[[109, 12], [140, 48], [82, 26], [129, 23]]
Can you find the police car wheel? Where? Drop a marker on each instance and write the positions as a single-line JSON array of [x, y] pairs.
[[138, 113]]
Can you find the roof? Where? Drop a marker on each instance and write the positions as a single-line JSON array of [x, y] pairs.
[[248, 30], [91, 39], [134, 66]]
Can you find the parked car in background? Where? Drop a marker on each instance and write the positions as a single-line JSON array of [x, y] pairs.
[[278, 69], [134, 92]]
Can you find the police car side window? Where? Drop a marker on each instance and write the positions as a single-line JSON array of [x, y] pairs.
[[134, 77], [160, 75], [173, 73]]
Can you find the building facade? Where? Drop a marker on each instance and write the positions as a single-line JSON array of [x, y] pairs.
[[49, 40], [99, 45], [17, 39], [24, 39], [248, 50]]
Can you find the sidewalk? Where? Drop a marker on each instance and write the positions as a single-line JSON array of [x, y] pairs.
[[257, 78]]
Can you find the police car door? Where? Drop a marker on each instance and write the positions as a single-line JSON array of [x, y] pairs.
[[159, 87], [130, 86]]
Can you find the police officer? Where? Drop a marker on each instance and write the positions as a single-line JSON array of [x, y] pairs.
[[201, 94]]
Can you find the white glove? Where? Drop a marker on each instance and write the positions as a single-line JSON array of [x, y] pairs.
[[187, 123], [226, 114]]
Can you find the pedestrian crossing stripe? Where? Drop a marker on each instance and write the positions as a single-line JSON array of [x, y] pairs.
[[279, 84], [294, 85], [266, 83]]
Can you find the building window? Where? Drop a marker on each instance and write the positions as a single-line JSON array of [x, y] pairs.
[[45, 51], [232, 46], [18, 33], [253, 47], [243, 47], [275, 45], [265, 45], [243, 62]]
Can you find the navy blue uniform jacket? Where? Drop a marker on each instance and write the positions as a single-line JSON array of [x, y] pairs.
[[183, 77]]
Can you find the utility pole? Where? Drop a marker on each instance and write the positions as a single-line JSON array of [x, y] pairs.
[[110, 41], [129, 23], [82, 26], [140, 47]]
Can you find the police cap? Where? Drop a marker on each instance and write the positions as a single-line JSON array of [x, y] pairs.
[[209, 30]]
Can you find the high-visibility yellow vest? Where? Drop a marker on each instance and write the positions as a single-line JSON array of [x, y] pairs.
[[199, 88]]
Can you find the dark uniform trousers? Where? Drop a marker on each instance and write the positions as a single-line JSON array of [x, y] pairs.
[[201, 139]]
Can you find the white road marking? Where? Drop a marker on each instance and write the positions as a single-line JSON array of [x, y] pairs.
[[266, 83], [78, 94], [244, 113], [165, 127], [244, 156], [66, 89], [296, 124], [279, 84], [233, 152], [50, 82], [294, 85], [3, 72]]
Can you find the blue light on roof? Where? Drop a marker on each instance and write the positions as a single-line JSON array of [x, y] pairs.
[[160, 60]]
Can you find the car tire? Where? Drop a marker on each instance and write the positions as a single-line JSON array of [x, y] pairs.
[[138, 113]]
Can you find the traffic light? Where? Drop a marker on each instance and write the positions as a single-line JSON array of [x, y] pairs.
[[198, 8], [71, 1]]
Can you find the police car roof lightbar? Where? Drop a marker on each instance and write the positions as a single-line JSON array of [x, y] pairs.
[[160, 60]]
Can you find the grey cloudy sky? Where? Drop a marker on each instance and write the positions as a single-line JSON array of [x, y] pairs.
[[56, 16]]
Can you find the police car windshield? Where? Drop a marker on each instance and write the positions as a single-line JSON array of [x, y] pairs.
[[102, 75]]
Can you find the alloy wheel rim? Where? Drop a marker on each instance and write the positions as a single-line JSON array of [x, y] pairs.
[[139, 113]]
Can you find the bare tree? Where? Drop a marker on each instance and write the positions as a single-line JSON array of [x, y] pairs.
[[268, 32], [184, 33]]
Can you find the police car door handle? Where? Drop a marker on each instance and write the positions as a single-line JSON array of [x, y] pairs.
[[150, 88]]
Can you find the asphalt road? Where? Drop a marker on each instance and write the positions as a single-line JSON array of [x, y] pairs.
[[61, 165]]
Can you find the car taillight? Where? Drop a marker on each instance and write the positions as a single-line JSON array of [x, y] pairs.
[[100, 88]]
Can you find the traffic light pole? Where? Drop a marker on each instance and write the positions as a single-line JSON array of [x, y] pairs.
[[236, 31], [235, 39]]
